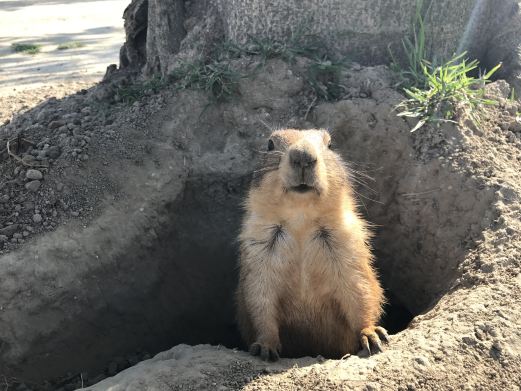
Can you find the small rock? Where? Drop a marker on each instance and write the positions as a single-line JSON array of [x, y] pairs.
[[53, 152], [421, 360], [3, 238], [17, 236], [60, 186], [37, 218], [56, 124], [28, 159], [9, 230], [4, 198], [33, 185], [33, 174], [41, 116]]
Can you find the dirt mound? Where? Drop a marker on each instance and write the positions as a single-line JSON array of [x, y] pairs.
[[148, 260]]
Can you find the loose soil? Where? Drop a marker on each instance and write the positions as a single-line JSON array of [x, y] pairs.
[[133, 250]]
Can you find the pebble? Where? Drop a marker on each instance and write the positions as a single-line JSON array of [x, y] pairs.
[[4, 198], [3, 238], [28, 159], [33, 174], [41, 115], [60, 186], [53, 152], [37, 218], [33, 185], [9, 230], [56, 124]]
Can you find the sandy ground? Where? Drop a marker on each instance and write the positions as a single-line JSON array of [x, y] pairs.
[[97, 25]]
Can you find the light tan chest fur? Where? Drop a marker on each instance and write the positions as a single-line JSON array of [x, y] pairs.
[[303, 270]]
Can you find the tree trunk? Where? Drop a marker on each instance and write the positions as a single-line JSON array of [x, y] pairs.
[[362, 30], [165, 32]]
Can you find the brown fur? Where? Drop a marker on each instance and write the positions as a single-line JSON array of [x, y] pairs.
[[307, 285]]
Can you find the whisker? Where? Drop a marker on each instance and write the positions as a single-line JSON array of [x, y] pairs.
[[270, 152], [270, 128], [264, 169], [367, 198]]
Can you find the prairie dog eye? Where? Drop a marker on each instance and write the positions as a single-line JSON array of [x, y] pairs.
[[329, 144], [271, 145]]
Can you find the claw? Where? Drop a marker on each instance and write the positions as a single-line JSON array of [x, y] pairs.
[[255, 349], [375, 341], [382, 333], [372, 337], [365, 344], [266, 353]]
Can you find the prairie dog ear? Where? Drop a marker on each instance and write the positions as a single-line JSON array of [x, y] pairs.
[[326, 137]]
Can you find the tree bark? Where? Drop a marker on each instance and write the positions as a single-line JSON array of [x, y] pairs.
[[133, 53], [362, 30], [165, 32]]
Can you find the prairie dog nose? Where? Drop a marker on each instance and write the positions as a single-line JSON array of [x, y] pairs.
[[302, 158]]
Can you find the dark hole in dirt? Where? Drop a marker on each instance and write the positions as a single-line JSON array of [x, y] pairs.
[[424, 216], [201, 275], [396, 315]]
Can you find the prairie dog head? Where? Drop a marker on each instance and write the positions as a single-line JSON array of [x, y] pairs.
[[300, 163]]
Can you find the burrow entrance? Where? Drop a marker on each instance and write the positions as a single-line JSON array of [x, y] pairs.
[[425, 220]]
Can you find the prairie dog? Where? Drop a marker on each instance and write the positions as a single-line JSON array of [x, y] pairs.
[[306, 281]]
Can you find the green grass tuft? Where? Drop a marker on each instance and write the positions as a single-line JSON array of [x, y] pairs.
[[415, 48], [436, 91], [323, 76], [134, 92], [217, 78], [28, 48], [70, 45], [447, 88]]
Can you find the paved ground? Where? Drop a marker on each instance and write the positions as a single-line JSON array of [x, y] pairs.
[[97, 25]]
